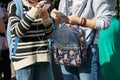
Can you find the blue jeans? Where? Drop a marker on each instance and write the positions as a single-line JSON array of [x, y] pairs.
[[89, 71], [38, 71]]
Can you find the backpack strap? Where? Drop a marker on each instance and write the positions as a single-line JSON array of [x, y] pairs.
[[19, 7], [19, 12], [50, 39]]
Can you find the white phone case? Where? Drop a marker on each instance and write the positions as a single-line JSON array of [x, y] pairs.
[[46, 6], [59, 13]]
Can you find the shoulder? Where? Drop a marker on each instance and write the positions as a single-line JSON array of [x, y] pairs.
[[11, 5]]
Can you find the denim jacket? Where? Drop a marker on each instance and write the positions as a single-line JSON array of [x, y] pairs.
[[101, 10]]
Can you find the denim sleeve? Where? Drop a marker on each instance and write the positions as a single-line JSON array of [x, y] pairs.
[[103, 10], [61, 6]]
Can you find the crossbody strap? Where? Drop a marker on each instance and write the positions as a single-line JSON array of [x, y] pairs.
[[67, 6], [82, 7], [93, 37]]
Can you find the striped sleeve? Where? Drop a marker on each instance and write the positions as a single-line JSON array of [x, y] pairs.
[[18, 26], [49, 31], [48, 27]]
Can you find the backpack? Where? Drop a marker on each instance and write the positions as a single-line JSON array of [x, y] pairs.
[[19, 12], [69, 44]]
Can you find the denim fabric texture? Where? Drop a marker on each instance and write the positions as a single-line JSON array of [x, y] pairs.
[[38, 71], [89, 71]]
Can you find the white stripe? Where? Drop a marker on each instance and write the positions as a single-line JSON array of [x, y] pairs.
[[13, 26], [28, 43], [17, 30], [29, 18], [24, 25], [33, 35], [37, 20], [31, 60], [11, 19], [29, 53], [35, 31], [30, 46], [11, 7]]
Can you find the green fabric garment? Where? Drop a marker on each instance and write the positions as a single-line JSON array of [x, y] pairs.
[[109, 49]]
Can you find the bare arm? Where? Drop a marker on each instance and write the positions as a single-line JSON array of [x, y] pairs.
[[90, 23]]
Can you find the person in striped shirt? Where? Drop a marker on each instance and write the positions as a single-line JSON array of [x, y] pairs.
[[32, 59]]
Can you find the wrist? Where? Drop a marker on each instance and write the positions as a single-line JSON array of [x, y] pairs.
[[82, 22], [46, 22], [33, 12]]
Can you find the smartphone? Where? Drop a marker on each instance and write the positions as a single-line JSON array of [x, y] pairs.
[[59, 13], [46, 6]]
